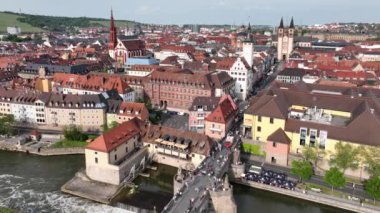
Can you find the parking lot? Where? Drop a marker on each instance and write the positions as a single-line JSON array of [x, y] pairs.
[[175, 121]]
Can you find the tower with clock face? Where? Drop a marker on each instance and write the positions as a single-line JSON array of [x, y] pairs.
[[285, 40]]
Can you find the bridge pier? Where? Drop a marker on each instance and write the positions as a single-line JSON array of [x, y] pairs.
[[222, 199]]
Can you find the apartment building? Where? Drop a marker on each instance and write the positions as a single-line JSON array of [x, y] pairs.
[[199, 110], [220, 120], [176, 90], [241, 72], [288, 118]]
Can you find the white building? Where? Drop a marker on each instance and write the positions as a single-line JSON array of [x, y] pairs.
[[240, 70], [24, 109], [13, 30], [285, 41]]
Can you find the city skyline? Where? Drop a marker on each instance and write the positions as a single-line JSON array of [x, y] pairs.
[[196, 12]]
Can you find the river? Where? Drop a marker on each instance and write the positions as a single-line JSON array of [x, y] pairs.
[[33, 182]]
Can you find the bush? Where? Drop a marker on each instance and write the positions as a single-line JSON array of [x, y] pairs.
[[74, 133], [253, 149]]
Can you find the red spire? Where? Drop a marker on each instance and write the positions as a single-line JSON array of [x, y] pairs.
[[113, 33]]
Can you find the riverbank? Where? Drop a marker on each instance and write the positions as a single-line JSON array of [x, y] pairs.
[[312, 197], [31, 181], [41, 151]]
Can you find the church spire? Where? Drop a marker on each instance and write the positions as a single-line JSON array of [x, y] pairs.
[[292, 24], [282, 23], [112, 34]]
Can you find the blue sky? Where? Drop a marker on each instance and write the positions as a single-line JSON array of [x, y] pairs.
[[207, 11]]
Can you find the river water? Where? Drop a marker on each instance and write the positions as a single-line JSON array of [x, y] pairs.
[[33, 182]]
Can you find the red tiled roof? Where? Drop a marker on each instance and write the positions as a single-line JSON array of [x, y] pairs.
[[132, 109], [116, 136], [223, 112], [279, 136], [91, 82], [178, 49], [132, 45]]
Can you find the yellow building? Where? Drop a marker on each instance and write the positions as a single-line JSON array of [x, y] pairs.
[[313, 115]]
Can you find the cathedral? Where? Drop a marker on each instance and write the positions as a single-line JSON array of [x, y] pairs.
[[121, 50], [285, 40]]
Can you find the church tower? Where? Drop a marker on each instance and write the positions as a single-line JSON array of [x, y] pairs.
[[112, 41], [285, 42]]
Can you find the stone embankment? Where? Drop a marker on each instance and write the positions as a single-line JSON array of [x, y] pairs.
[[82, 186], [41, 151]]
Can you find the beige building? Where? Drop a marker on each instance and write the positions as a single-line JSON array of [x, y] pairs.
[[88, 111], [341, 36], [6, 97], [177, 148], [116, 155]]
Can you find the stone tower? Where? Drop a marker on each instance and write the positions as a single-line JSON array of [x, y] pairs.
[[112, 40], [248, 51], [285, 40]]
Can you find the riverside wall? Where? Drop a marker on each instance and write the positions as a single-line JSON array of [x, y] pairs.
[[313, 197]]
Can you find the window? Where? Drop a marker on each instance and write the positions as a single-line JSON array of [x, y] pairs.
[[271, 120], [303, 132], [259, 118], [115, 157], [96, 160], [313, 137], [259, 128], [322, 139], [126, 149], [274, 144]]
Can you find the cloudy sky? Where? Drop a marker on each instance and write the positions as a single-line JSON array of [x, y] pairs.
[[207, 11]]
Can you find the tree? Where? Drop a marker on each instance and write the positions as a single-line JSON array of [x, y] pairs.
[[302, 169], [372, 187], [6, 125], [74, 133], [309, 154], [346, 157], [372, 159], [335, 178], [114, 124]]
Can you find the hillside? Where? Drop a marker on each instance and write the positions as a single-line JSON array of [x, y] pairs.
[[39, 23], [8, 20]]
